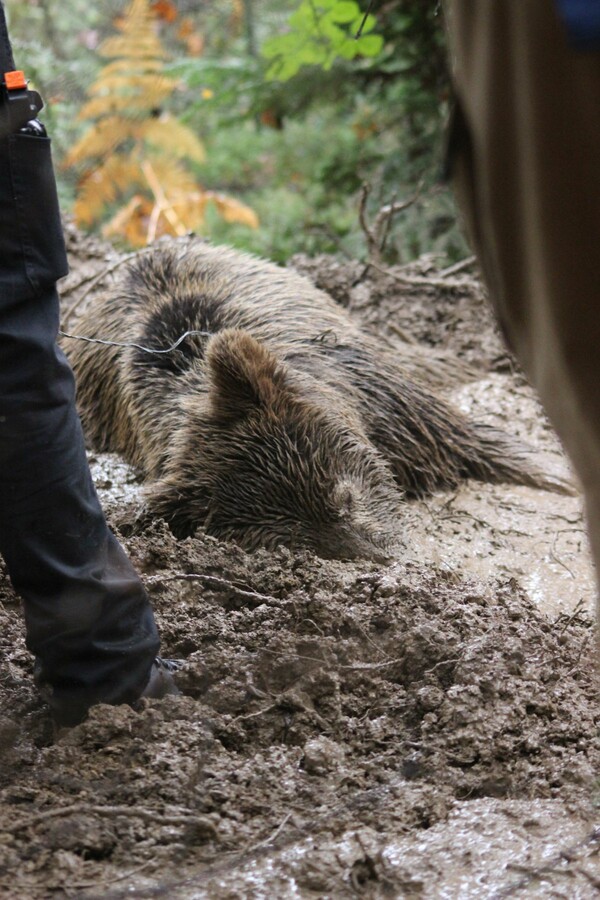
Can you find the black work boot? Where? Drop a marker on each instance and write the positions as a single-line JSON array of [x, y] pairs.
[[66, 714], [161, 682]]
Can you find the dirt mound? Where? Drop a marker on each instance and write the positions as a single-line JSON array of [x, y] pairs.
[[416, 303], [344, 729], [317, 697]]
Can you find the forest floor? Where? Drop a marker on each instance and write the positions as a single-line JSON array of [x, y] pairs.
[[426, 729]]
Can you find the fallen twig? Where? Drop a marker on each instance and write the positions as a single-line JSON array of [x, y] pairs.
[[271, 837], [442, 662], [376, 798], [84, 885], [68, 289], [445, 284], [214, 582], [557, 559], [459, 266], [584, 645], [258, 712], [147, 815], [357, 667], [576, 611], [590, 877], [531, 873]]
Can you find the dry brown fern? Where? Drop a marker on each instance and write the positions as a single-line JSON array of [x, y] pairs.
[[135, 157]]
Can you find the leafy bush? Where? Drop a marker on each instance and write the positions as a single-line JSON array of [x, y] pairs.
[[320, 32], [297, 151]]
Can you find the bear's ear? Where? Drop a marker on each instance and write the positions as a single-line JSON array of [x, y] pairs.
[[243, 374]]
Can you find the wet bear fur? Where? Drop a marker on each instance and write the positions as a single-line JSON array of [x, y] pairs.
[[286, 423]]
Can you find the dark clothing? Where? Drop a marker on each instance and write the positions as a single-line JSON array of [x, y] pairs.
[[526, 169], [582, 19], [88, 619]]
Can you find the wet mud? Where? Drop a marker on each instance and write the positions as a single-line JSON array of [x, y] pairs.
[[423, 729]]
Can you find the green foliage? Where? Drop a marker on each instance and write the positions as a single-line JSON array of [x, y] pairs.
[[296, 150], [303, 181], [320, 32], [283, 176], [385, 118], [230, 87], [370, 120]]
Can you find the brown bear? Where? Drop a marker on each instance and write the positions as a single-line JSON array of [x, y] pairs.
[[281, 421]]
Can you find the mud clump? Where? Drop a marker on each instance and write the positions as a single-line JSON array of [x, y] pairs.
[[319, 697], [276, 420]]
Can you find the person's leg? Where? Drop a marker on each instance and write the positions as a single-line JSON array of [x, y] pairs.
[[88, 618], [527, 172]]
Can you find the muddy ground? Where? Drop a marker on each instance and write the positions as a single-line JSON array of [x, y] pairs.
[[426, 729]]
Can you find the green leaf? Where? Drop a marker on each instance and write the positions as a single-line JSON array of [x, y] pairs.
[[273, 46], [346, 11], [370, 44], [335, 34], [369, 24], [310, 55], [320, 32], [301, 17], [349, 49]]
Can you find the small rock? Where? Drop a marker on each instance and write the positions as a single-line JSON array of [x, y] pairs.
[[321, 755]]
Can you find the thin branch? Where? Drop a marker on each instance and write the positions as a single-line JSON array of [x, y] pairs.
[[557, 559], [364, 20], [71, 288], [420, 280], [214, 582], [590, 877], [531, 873], [271, 837], [355, 667], [259, 712], [383, 221], [401, 333], [391, 209], [376, 233], [147, 815], [578, 608], [161, 200], [362, 213], [459, 266], [84, 885]]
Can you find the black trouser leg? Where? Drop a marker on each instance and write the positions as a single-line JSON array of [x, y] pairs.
[[87, 615]]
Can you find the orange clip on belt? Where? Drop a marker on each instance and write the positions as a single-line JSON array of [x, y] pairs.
[[15, 80]]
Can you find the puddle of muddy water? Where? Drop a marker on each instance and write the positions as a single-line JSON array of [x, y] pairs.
[[501, 532], [485, 849], [117, 483], [535, 536]]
